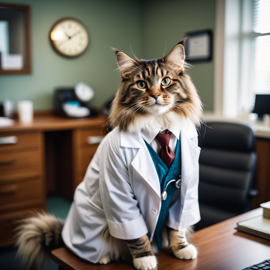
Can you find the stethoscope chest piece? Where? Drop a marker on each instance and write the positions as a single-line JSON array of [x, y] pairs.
[[177, 185], [164, 196]]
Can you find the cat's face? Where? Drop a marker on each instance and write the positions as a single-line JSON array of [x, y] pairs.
[[154, 87]]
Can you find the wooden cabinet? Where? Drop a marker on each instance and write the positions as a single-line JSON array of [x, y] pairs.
[[50, 155], [9, 223], [262, 178], [85, 144], [21, 180]]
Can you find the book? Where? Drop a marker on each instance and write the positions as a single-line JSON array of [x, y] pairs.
[[266, 209], [259, 226]]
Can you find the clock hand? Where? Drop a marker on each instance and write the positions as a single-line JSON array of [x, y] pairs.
[[59, 44], [63, 41], [75, 34], [69, 37]]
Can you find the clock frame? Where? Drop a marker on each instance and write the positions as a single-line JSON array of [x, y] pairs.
[[61, 32]]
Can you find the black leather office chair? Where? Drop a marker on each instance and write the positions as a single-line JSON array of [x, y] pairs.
[[227, 170]]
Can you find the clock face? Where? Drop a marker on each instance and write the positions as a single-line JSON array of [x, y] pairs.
[[69, 37]]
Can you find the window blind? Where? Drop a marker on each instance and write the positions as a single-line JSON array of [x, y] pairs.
[[261, 18], [261, 49], [261, 73]]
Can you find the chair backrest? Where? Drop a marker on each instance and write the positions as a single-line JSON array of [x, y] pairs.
[[227, 168]]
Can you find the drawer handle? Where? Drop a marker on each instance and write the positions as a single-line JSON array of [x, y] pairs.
[[7, 162], [8, 140], [94, 139], [8, 190]]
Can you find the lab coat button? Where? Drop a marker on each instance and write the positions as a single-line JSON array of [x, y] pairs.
[[155, 211]]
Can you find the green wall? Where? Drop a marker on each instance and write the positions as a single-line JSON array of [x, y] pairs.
[[108, 23], [147, 26], [167, 22]]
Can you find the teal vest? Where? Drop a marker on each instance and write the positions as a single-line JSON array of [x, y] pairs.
[[165, 175]]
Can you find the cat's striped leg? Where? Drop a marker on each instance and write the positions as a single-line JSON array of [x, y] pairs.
[[180, 246], [143, 257]]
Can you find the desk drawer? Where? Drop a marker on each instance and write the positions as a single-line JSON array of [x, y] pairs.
[[9, 223], [90, 137], [18, 141], [19, 162], [21, 194]]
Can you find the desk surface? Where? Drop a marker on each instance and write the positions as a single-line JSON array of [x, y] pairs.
[[220, 247], [46, 121]]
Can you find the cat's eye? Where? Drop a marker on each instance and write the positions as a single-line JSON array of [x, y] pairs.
[[141, 84], [166, 81]]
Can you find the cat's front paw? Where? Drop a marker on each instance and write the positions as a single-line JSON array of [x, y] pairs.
[[145, 263], [187, 253], [105, 259]]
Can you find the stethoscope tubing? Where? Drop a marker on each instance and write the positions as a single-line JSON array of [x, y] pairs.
[[177, 185]]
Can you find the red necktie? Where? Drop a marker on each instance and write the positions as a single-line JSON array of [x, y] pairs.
[[166, 153]]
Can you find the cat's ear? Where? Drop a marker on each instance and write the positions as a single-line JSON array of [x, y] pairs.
[[123, 61], [177, 54]]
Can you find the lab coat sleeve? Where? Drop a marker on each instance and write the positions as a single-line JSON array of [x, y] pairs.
[[124, 218]]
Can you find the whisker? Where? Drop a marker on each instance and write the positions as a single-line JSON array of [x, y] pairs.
[[133, 52], [164, 49]]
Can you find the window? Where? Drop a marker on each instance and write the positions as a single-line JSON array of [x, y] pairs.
[[260, 49], [4, 46], [254, 52], [242, 59]]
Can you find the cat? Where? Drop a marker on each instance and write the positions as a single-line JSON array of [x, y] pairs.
[[111, 217]]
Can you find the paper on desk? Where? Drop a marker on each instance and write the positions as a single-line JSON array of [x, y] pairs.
[[75, 111], [6, 122], [260, 224]]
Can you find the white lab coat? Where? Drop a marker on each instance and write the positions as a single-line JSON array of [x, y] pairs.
[[121, 190]]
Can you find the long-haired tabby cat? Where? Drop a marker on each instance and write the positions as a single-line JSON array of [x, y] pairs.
[[117, 209]]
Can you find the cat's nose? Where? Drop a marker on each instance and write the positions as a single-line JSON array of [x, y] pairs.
[[155, 96]]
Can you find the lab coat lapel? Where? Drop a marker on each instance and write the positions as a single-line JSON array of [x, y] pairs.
[[190, 154], [142, 162], [144, 165]]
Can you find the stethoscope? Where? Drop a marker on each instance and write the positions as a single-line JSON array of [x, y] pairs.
[[177, 185]]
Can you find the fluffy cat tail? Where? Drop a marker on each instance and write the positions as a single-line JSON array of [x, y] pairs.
[[37, 236]]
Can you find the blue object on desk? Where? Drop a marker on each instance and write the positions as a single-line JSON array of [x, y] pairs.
[[75, 103]]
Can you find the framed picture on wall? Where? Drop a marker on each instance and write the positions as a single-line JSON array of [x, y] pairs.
[[15, 39], [198, 46]]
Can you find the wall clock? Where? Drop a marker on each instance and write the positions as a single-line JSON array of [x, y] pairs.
[[69, 37]]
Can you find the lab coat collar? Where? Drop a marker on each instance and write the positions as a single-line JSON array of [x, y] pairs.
[[144, 165], [130, 140], [134, 140], [150, 134]]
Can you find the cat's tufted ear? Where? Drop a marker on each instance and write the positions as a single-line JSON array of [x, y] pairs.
[[123, 61], [177, 54]]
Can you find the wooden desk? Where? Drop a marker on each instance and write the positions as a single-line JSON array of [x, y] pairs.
[[49, 155], [220, 247]]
